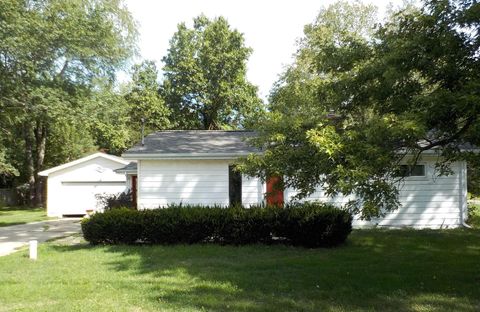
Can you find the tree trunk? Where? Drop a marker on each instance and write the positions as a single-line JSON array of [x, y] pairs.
[[41, 140], [29, 166]]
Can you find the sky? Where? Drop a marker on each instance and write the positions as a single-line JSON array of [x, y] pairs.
[[271, 28]]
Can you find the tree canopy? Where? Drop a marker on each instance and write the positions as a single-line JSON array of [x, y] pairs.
[[205, 83], [51, 52], [144, 99], [361, 99]]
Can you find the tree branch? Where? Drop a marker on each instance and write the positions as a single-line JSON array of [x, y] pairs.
[[450, 139]]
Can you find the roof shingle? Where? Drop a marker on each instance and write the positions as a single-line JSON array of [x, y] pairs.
[[195, 142]]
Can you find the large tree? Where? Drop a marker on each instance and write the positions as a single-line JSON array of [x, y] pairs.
[[205, 82], [50, 53], [360, 101], [145, 103], [116, 113]]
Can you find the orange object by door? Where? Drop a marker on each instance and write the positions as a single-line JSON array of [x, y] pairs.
[[274, 191]]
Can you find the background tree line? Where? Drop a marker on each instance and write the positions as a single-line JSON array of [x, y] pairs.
[[59, 98]]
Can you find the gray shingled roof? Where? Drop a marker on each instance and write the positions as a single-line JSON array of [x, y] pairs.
[[131, 167], [195, 142]]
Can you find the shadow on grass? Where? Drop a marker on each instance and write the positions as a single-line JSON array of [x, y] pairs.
[[2, 224], [376, 270]]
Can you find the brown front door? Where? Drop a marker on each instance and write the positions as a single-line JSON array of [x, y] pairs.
[[134, 191], [274, 191]]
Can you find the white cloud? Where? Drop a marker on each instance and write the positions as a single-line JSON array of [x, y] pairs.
[[271, 28]]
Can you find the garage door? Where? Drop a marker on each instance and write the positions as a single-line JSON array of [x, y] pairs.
[[81, 195]]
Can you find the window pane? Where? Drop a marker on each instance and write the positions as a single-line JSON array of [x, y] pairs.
[[417, 171], [411, 171], [234, 186]]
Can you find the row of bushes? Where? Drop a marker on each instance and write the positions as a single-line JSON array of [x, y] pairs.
[[309, 225]]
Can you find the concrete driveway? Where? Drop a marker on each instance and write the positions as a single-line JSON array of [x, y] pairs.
[[15, 236]]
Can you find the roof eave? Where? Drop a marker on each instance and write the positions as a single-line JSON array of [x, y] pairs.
[[130, 171], [46, 173], [172, 156]]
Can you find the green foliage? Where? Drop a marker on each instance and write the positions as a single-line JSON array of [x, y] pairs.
[[6, 168], [114, 226], [109, 120], [144, 100], [309, 225], [205, 82], [51, 54], [314, 225], [180, 225], [361, 99], [238, 225], [474, 215]]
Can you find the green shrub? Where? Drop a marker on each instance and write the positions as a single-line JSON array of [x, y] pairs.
[[309, 225], [314, 225], [187, 225], [115, 226], [239, 225], [474, 215]]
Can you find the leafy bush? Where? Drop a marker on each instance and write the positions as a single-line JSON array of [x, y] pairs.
[[314, 225], [474, 215], [114, 226], [113, 201], [309, 225], [239, 225], [187, 225]]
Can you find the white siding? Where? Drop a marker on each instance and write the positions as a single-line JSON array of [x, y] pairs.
[[72, 190], [426, 202], [163, 182], [430, 202]]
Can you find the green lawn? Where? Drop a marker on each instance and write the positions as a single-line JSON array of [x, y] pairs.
[[375, 271], [21, 215]]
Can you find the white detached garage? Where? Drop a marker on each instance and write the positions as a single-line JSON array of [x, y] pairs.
[[72, 187]]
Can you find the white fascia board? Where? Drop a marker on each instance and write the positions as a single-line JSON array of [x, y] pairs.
[[173, 156], [437, 151], [45, 173], [130, 171]]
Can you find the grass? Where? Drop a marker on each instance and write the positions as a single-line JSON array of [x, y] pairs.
[[401, 270], [21, 215]]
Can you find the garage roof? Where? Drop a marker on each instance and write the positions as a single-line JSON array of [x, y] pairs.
[[47, 172]]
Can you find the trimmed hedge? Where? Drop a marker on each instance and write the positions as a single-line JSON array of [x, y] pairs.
[[308, 224]]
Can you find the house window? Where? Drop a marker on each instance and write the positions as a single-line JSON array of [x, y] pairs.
[[412, 171], [234, 186]]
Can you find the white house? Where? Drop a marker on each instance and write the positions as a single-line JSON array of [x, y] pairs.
[[193, 167], [72, 187]]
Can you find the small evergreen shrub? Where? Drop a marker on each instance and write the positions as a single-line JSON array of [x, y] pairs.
[[239, 225], [114, 226], [308, 225], [314, 225]]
